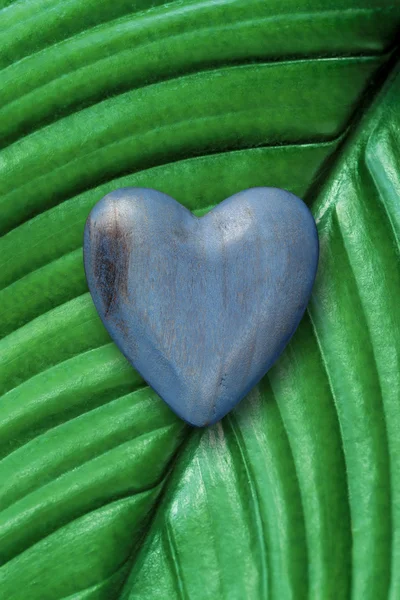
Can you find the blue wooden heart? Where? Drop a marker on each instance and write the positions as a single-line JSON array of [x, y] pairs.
[[201, 307]]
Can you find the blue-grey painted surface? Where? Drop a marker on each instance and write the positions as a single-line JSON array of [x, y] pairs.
[[201, 307]]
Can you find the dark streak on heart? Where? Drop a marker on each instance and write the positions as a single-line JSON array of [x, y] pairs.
[[111, 261]]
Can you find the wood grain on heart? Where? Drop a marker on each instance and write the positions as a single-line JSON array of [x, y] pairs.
[[201, 307]]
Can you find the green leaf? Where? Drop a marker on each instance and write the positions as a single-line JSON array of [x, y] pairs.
[[85, 446], [298, 489], [104, 493]]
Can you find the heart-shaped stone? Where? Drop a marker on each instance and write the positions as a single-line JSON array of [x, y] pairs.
[[201, 307]]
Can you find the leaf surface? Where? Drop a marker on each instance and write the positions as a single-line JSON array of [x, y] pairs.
[[295, 494]]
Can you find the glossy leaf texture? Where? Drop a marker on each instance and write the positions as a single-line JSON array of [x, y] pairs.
[[295, 494]]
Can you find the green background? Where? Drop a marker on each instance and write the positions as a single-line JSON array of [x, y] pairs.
[[104, 493]]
